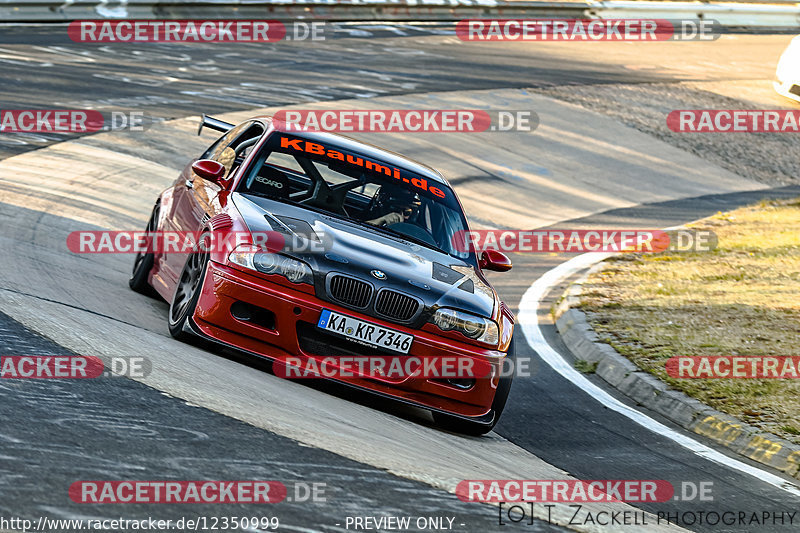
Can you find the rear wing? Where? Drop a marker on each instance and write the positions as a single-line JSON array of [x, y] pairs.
[[214, 124]]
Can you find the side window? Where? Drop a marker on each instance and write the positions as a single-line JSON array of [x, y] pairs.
[[232, 148], [244, 143], [223, 142]]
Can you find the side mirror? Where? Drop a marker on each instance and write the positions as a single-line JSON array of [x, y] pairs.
[[210, 170], [494, 260]]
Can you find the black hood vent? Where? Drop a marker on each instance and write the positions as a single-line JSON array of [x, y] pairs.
[[296, 226], [468, 286], [445, 274]]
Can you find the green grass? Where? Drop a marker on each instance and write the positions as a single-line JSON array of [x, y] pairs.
[[585, 366]]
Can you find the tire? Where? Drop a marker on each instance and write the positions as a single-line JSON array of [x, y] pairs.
[[187, 293], [480, 427], [143, 263]]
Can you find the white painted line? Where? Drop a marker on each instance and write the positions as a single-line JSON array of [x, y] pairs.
[[528, 319]]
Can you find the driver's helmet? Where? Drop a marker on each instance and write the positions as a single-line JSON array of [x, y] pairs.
[[395, 199]]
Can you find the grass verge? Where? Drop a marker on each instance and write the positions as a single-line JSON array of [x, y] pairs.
[[741, 299]]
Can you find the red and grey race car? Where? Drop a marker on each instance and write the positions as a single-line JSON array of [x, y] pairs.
[[367, 266]]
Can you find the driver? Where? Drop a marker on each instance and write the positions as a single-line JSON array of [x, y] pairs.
[[394, 204]]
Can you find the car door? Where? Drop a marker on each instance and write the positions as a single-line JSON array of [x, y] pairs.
[[195, 200]]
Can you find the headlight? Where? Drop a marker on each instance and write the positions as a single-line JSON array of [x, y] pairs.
[[251, 257], [474, 327]]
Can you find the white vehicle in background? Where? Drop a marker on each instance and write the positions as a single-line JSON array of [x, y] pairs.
[[788, 72]]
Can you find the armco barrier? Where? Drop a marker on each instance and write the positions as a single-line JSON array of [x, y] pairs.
[[774, 14], [742, 13], [335, 10]]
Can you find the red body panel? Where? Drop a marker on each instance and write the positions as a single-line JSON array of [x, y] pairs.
[[223, 286]]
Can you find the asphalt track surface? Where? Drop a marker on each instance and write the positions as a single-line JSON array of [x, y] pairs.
[[116, 428], [55, 433], [43, 69]]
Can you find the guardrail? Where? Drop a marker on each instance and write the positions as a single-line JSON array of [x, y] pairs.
[[334, 10], [731, 14], [747, 13]]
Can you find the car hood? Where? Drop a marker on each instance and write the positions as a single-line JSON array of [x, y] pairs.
[[330, 244]]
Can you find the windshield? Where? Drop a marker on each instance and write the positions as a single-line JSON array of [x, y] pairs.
[[367, 191]]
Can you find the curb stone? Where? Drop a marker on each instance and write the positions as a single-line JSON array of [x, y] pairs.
[[647, 390]]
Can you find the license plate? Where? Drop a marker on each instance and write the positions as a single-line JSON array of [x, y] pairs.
[[366, 332]]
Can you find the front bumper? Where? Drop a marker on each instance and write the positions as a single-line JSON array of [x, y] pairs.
[[290, 332]]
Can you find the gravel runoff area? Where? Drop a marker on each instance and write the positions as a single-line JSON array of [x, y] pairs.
[[769, 158]]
